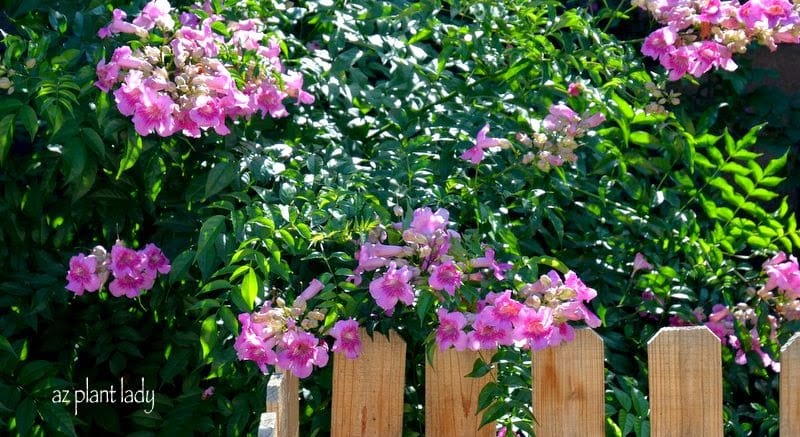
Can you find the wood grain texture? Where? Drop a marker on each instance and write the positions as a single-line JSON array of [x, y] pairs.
[[368, 391], [266, 427], [790, 387], [283, 399], [451, 399], [685, 375], [568, 388]]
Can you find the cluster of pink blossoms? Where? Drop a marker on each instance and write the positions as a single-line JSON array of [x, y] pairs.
[[555, 136], [284, 336], [699, 35], [431, 259], [189, 78], [534, 317], [134, 271]]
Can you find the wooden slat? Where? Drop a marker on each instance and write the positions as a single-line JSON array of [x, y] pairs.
[[266, 427], [685, 376], [283, 399], [790, 387], [451, 399], [568, 388], [368, 391]]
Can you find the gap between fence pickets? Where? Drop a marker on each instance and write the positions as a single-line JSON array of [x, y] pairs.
[[682, 354]]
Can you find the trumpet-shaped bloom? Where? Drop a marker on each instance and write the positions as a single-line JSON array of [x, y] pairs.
[[445, 276], [300, 351], [392, 287], [82, 275], [451, 330], [347, 340]]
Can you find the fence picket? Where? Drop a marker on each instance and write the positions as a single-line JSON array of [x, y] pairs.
[[368, 392], [451, 399], [568, 387], [790, 387], [685, 376], [283, 400]]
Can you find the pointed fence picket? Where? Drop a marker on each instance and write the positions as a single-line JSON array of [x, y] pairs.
[[685, 378]]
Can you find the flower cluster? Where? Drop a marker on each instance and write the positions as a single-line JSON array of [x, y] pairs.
[[555, 136], [288, 336], [699, 35], [536, 316], [187, 77], [134, 271], [429, 260]]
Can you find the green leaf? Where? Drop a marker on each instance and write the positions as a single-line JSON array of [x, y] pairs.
[[75, 159], [208, 335], [26, 412], [763, 194], [94, 141], [744, 182], [552, 262], [624, 108], [34, 371], [57, 418], [206, 252], [6, 136], [733, 167], [479, 368], [489, 393], [643, 138], [222, 175], [133, 148], [27, 116], [229, 320], [249, 289], [773, 167]]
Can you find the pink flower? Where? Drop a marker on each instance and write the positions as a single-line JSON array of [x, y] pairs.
[[640, 263], [294, 88], [313, 288], [751, 13], [300, 352], [488, 261], [711, 54], [119, 25], [482, 142], [107, 75], [451, 330], [207, 112], [155, 12], [445, 276], [504, 309], [678, 62], [155, 113], [154, 260], [561, 119], [125, 261], [426, 222], [129, 94], [777, 11], [129, 285], [392, 287], [253, 345], [660, 42], [784, 274], [575, 88], [534, 326], [347, 339], [487, 334], [82, 275], [207, 393]]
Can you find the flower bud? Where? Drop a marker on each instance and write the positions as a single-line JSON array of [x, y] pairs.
[[5, 83], [30, 63]]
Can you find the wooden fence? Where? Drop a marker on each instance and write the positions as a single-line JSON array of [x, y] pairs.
[[685, 378]]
